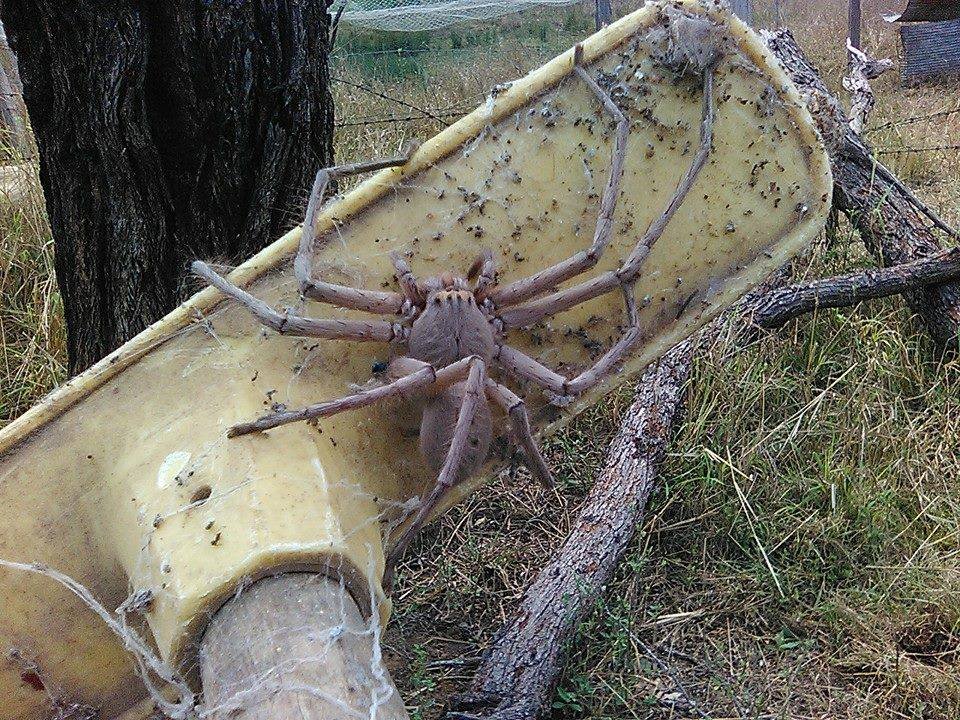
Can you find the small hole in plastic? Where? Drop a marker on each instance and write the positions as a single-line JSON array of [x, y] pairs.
[[202, 494]]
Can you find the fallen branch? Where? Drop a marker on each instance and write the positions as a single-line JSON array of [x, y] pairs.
[[891, 220], [518, 672], [780, 306]]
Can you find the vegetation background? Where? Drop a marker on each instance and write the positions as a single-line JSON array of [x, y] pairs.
[[802, 558]]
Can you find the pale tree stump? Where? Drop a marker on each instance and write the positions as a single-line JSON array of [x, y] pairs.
[[295, 647]]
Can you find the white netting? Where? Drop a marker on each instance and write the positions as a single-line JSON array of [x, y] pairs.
[[413, 15]]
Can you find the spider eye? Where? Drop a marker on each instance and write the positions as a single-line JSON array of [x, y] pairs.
[[379, 367]]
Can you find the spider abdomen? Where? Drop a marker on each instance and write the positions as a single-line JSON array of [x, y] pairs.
[[440, 414]]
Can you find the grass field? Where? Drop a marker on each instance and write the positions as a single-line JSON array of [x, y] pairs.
[[830, 446]]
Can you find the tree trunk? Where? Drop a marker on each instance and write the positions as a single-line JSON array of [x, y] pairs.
[[167, 131]]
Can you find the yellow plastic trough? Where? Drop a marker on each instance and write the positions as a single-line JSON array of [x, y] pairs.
[[123, 478]]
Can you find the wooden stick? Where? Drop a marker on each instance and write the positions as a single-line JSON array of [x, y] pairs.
[[781, 306], [294, 646]]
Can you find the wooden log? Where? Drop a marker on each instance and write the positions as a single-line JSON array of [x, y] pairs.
[[295, 646], [894, 224], [518, 672]]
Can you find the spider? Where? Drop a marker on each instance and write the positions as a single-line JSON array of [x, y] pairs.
[[453, 326]]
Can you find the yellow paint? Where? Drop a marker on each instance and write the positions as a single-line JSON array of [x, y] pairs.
[[124, 478]]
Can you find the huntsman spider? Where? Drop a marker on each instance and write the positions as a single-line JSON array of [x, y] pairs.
[[453, 326]]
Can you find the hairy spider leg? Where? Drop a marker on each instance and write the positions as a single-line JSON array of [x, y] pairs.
[[473, 395], [625, 277], [545, 280], [423, 377], [516, 410], [287, 324], [372, 301], [412, 291]]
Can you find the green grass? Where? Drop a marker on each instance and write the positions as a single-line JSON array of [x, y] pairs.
[[831, 445]]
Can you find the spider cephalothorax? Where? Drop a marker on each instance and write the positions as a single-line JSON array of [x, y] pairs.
[[451, 329]]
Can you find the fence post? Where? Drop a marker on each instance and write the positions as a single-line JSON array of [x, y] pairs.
[[855, 18], [603, 13], [12, 111], [743, 9]]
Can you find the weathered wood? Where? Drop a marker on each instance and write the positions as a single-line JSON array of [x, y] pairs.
[[861, 69], [854, 16], [294, 646], [893, 224], [780, 306], [167, 131], [743, 10], [930, 50]]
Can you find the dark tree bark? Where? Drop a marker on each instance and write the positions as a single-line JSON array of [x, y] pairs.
[[895, 225], [167, 131], [778, 307]]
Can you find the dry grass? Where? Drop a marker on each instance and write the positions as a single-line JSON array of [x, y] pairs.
[[840, 431]]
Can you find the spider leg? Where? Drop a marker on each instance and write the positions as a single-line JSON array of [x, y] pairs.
[[543, 281], [516, 410], [561, 390], [408, 281], [293, 324], [524, 367], [418, 379], [627, 274], [382, 303], [451, 465], [487, 276]]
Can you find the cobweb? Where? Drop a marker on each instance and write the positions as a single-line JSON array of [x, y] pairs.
[[414, 15]]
